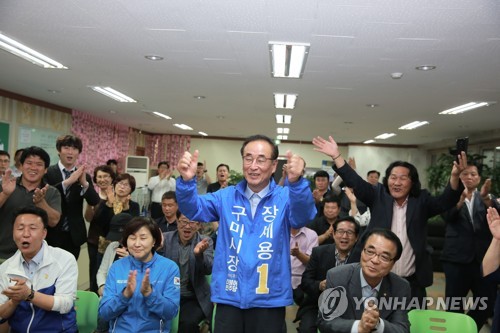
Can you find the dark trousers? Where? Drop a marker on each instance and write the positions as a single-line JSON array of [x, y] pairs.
[[156, 211], [63, 240], [230, 319], [308, 320], [93, 266], [418, 292], [190, 315], [460, 278]]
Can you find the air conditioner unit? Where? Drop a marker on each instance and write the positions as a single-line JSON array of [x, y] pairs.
[[138, 166]]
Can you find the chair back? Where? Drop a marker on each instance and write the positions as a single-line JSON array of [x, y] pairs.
[[174, 327], [86, 306], [430, 321]]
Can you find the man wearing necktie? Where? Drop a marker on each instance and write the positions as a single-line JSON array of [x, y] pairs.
[[361, 286], [251, 275], [74, 185], [467, 238]]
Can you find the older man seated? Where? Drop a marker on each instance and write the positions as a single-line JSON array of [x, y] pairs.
[[358, 288]]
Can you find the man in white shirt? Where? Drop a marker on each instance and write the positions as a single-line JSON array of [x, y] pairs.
[[160, 184], [38, 283]]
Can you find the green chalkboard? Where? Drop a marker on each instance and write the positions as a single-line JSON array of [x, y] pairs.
[[43, 138], [4, 136]]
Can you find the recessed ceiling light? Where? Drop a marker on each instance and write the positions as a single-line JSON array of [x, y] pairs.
[[154, 57], [53, 91], [413, 125], [372, 105], [282, 137], [112, 111], [385, 136], [466, 107], [288, 59], [203, 133], [220, 117], [199, 97], [369, 141], [425, 68], [183, 127], [114, 94], [396, 75]]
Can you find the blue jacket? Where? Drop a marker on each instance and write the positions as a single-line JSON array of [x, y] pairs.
[[252, 262], [138, 313]]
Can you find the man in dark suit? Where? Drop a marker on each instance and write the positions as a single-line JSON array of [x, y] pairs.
[[467, 238], [403, 207], [75, 185], [369, 298], [324, 257], [194, 254]]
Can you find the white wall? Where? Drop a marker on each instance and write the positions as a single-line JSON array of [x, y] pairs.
[[367, 157]]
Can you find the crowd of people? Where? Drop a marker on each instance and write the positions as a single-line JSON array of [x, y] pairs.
[[278, 243]]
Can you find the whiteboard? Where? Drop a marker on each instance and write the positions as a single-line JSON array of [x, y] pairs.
[[43, 138]]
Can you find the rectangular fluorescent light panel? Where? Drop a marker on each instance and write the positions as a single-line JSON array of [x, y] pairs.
[[282, 137], [385, 136], [283, 119], [183, 127], [281, 130], [284, 101], [26, 53], [159, 114], [203, 133], [465, 107], [114, 94], [288, 59], [413, 125], [369, 141]]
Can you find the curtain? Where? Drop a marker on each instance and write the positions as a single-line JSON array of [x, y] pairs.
[[102, 140], [166, 147]]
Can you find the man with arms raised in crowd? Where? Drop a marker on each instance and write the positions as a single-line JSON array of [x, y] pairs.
[[27, 190], [74, 185], [403, 207], [38, 284], [371, 277], [467, 238], [251, 278], [159, 184]]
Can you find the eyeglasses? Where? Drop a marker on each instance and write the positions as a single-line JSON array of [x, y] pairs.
[[123, 184], [341, 232], [184, 223], [383, 257], [259, 160]]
